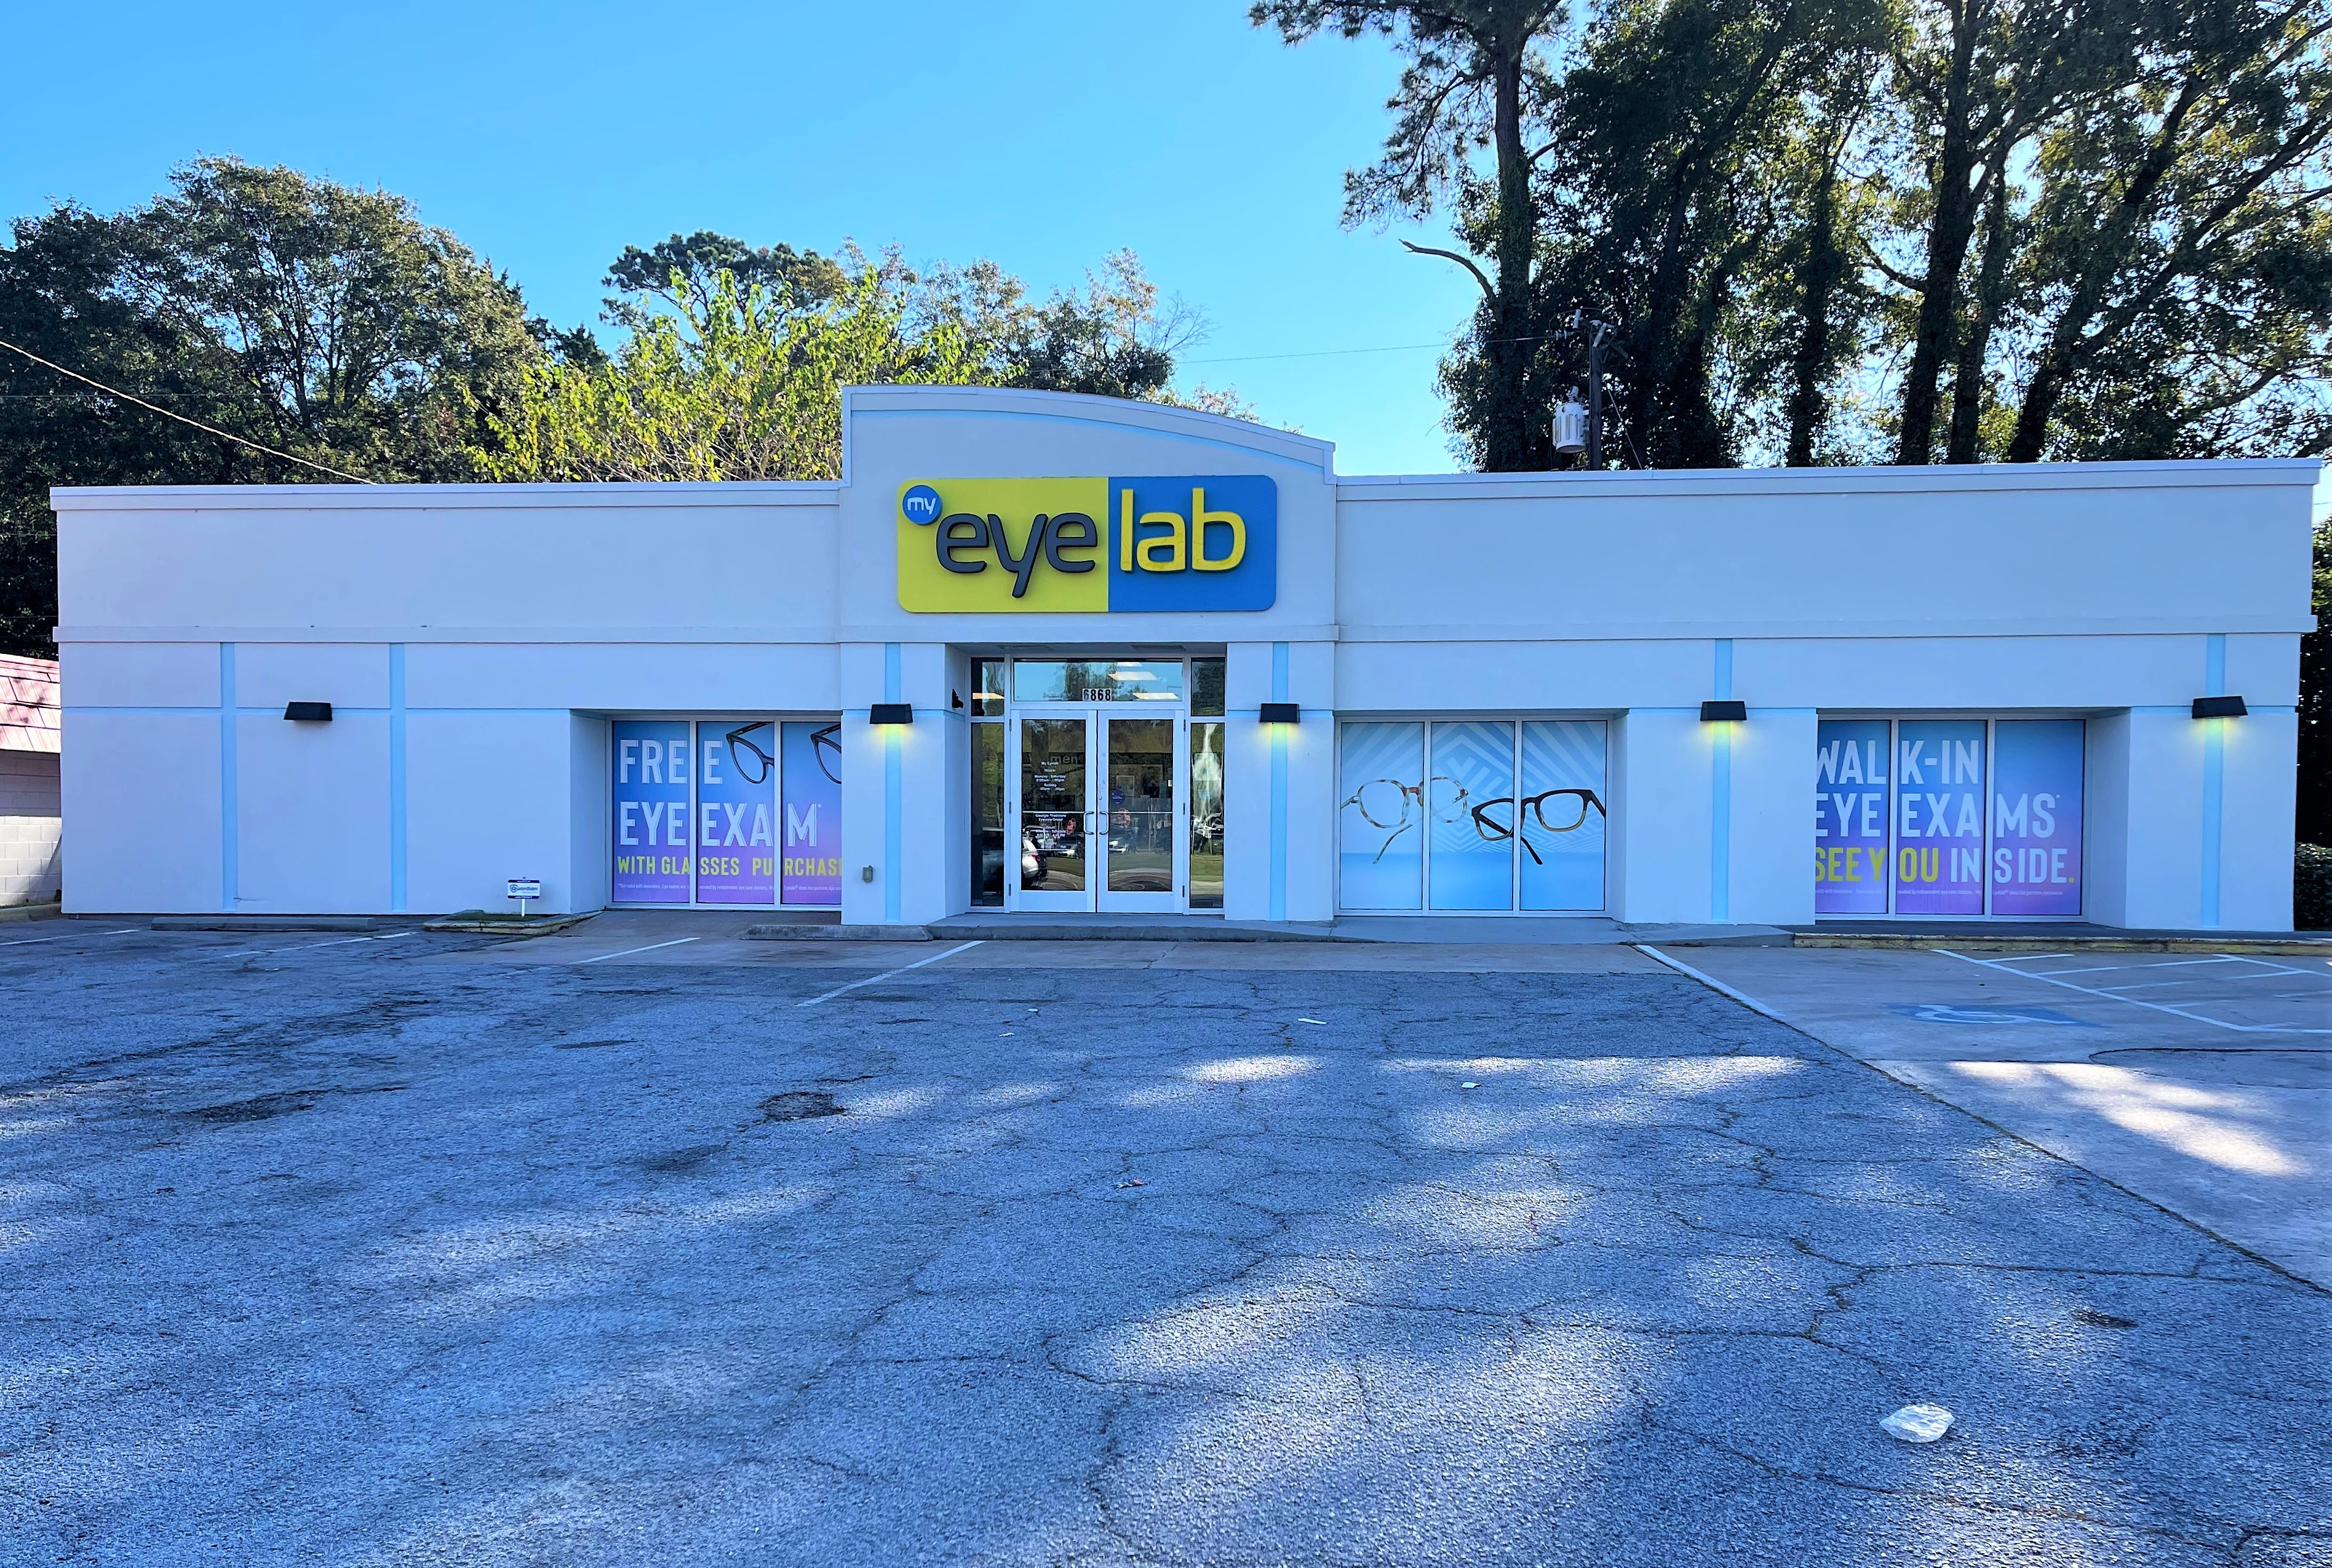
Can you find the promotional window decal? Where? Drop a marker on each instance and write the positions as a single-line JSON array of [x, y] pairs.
[[1939, 796], [1381, 825], [2036, 817], [1086, 546], [651, 836], [1562, 814], [736, 804], [1471, 799], [1851, 817], [811, 862]]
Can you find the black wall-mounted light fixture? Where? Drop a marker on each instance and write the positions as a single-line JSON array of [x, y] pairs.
[[2221, 708], [308, 712], [1281, 713], [1723, 711], [891, 714]]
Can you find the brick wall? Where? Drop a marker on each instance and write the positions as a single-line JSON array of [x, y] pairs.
[[31, 863]]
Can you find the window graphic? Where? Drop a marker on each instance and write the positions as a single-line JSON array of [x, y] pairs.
[[725, 812], [1560, 814], [1948, 816], [736, 811], [813, 826], [1429, 816], [651, 836]]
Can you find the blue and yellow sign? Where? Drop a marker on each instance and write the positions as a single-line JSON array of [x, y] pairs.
[[1083, 546]]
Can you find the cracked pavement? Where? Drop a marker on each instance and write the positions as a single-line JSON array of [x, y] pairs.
[[433, 1251]]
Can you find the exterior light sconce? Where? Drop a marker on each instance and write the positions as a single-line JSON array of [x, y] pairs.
[[891, 714], [1723, 711], [1280, 714], [314, 713], [2221, 708]]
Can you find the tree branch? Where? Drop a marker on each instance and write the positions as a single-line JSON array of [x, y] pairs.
[[1488, 292]]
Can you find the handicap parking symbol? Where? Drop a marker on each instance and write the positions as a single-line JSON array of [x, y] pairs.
[[1984, 1013]]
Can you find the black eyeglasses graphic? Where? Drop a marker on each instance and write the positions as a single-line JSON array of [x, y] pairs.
[[1395, 807], [825, 745], [758, 770]]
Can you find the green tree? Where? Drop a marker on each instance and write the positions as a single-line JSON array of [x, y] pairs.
[[322, 320], [725, 375], [737, 382]]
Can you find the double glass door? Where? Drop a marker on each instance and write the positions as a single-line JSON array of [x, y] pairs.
[[1090, 794]]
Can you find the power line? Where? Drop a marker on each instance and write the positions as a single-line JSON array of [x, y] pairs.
[[165, 412], [1381, 348]]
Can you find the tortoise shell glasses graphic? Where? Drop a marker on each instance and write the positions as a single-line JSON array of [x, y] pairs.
[[1393, 808]]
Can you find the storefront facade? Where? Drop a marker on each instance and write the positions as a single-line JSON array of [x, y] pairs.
[[1054, 654]]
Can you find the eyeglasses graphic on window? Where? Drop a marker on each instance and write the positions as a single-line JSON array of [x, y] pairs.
[[825, 745], [740, 748], [1394, 808]]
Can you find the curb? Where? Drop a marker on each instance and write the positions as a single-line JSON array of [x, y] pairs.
[[32, 912], [534, 925], [805, 932], [1975, 941]]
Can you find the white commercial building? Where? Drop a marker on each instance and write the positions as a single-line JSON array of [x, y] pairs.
[[1041, 651]]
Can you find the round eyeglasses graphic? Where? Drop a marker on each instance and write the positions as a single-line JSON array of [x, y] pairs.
[[1394, 808], [753, 764]]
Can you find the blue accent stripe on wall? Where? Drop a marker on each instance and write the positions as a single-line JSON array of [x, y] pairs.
[[396, 778], [1279, 787], [2214, 763], [1720, 797], [230, 823], [893, 834]]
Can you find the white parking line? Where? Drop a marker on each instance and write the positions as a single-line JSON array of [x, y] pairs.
[[37, 940], [887, 974], [2098, 968], [307, 946], [628, 952], [2135, 1002]]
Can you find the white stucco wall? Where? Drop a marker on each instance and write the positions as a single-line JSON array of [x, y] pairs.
[[476, 639]]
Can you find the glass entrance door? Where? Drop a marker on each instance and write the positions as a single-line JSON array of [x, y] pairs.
[[1052, 809], [1096, 811], [1140, 848]]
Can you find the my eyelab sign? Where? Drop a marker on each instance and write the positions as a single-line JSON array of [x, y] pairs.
[[1079, 546]]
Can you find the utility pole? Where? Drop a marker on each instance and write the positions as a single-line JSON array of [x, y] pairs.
[[1596, 331]]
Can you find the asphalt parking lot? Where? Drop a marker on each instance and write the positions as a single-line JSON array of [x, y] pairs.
[[649, 1245]]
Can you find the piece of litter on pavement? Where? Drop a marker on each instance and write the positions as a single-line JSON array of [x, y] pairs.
[[1132, 1181], [1322, 1022], [1004, 1036], [1918, 1423], [1469, 1084]]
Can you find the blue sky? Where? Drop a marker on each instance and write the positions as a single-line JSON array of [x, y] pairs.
[[1041, 133]]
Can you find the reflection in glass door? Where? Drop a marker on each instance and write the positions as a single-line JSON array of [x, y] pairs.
[[1053, 813], [1140, 845]]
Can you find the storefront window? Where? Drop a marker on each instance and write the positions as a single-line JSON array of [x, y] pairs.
[[987, 689], [1206, 856], [1379, 826], [699, 810], [2036, 817], [1097, 680], [988, 815], [813, 793], [1430, 817], [736, 796], [1562, 814], [1471, 795], [1904, 822], [652, 842], [1206, 688]]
